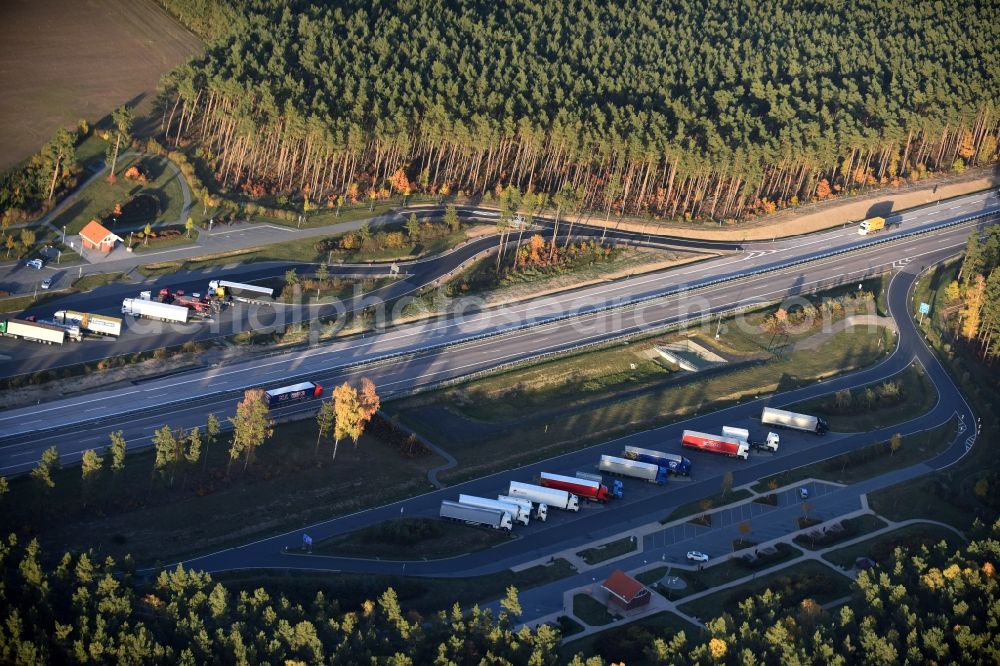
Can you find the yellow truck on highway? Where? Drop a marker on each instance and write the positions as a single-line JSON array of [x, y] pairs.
[[871, 225]]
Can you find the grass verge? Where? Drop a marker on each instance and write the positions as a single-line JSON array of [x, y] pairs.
[[869, 461], [706, 504], [95, 280], [591, 611], [424, 595], [880, 548], [885, 403], [608, 551], [412, 539], [849, 529]]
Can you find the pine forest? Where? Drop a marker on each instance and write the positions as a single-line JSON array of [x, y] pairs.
[[717, 110]]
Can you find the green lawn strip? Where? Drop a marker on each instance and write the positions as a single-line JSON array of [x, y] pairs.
[[869, 461], [94, 280], [288, 485], [424, 595], [159, 244], [608, 550], [626, 644], [98, 199], [849, 529], [805, 580], [706, 504], [15, 304], [916, 396], [880, 548], [591, 611], [537, 434], [412, 538]]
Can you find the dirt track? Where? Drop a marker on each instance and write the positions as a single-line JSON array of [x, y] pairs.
[[63, 60]]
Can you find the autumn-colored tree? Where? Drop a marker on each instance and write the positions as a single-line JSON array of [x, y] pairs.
[[895, 442], [348, 410], [823, 189], [973, 307], [188, 226], [368, 397], [146, 233], [399, 182], [252, 425], [952, 292], [325, 419]]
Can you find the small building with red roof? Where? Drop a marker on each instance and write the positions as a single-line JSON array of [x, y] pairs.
[[95, 236], [626, 592]]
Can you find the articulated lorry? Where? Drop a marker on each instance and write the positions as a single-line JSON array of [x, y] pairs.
[[728, 446], [237, 291], [588, 489], [516, 511], [803, 422], [553, 497], [616, 488], [285, 395], [742, 434], [633, 468], [473, 515], [149, 309], [33, 331], [674, 463], [92, 323], [538, 511]]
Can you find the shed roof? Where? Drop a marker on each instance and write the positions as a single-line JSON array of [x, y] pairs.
[[623, 586], [96, 233]]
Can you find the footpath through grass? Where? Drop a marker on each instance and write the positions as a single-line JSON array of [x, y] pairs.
[[880, 548], [806, 580], [412, 539]]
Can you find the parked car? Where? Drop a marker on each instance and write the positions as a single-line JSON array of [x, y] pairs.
[[46, 283], [697, 556], [803, 493], [34, 263]]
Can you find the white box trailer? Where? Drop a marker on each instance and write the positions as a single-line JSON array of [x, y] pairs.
[[33, 331], [72, 328], [473, 515], [785, 419], [238, 291], [541, 510], [139, 307], [634, 468], [92, 323], [516, 511], [560, 499]]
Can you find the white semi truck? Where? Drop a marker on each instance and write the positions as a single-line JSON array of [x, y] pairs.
[[538, 511], [92, 323], [140, 307], [473, 515], [554, 497], [784, 419], [516, 511], [634, 468], [742, 434], [33, 331]]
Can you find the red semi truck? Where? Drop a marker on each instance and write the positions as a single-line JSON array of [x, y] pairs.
[[715, 444], [585, 488]]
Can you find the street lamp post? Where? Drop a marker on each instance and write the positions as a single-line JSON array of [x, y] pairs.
[[64, 235]]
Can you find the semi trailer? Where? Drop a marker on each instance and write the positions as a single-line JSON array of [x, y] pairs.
[[285, 395], [539, 511], [674, 463], [73, 331], [769, 444], [516, 511], [473, 515], [149, 309], [33, 331], [784, 419], [237, 291], [633, 468], [615, 488], [553, 497], [715, 444], [588, 489], [92, 323]]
